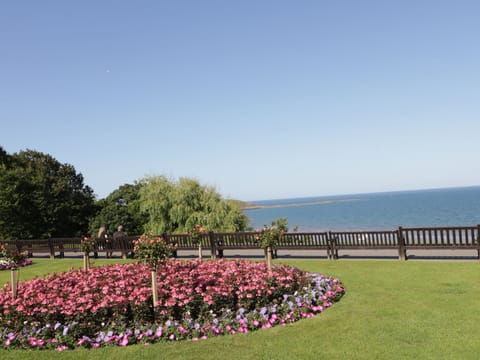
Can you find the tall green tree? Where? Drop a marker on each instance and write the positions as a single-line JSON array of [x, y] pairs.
[[40, 197], [177, 206], [121, 207]]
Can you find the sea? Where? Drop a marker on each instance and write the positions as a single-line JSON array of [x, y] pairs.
[[374, 211]]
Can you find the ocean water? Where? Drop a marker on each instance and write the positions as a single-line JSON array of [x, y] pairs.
[[376, 211]]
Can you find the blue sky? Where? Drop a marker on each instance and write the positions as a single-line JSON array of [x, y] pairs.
[[261, 99]]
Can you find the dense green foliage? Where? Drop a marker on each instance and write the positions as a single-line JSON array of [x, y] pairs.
[[177, 206], [40, 197], [121, 207]]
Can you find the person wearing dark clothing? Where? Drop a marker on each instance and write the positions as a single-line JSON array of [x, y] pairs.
[[119, 239]]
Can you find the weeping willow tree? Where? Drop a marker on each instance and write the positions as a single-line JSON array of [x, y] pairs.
[[176, 206]]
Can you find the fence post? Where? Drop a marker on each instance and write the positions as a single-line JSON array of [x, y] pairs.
[[478, 242], [60, 245], [52, 250], [332, 246], [213, 246], [329, 248], [402, 253]]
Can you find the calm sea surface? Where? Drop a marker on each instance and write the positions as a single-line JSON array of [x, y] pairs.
[[376, 211]]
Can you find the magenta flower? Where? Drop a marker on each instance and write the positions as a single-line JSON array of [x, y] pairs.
[[124, 341]]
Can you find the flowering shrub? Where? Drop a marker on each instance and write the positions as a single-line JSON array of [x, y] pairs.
[[270, 235], [12, 258], [113, 304], [152, 250], [197, 233], [87, 245]]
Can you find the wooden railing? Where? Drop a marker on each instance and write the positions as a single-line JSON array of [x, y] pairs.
[[402, 240]]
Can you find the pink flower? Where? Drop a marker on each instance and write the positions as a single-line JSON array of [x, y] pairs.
[[124, 341]]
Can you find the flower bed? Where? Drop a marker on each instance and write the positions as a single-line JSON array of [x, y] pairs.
[[7, 265], [12, 258], [197, 300]]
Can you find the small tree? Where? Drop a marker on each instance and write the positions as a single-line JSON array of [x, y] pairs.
[[13, 259], [87, 245], [269, 236], [197, 234], [153, 251]]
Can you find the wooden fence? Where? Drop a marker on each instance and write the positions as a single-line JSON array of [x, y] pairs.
[[401, 240]]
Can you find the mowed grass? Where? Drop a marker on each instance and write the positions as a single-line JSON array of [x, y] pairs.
[[391, 310]]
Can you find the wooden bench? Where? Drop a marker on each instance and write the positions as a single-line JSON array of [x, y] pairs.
[[305, 241], [37, 246], [234, 241], [364, 240], [442, 238]]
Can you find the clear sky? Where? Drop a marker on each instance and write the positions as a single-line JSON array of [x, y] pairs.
[[261, 99]]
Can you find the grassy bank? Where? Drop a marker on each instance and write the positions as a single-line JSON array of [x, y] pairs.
[[391, 310]]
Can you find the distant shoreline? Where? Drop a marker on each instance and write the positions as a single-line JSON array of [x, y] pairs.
[[251, 206]]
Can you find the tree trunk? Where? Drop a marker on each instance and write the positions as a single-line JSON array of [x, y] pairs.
[[86, 262], [269, 258], [154, 288], [14, 283]]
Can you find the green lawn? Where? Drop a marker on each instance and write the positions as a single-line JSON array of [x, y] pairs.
[[391, 310]]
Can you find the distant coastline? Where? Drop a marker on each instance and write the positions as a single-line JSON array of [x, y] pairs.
[[253, 206], [376, 211]]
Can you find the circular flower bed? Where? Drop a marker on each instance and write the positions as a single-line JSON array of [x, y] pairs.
[[197, 300]]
